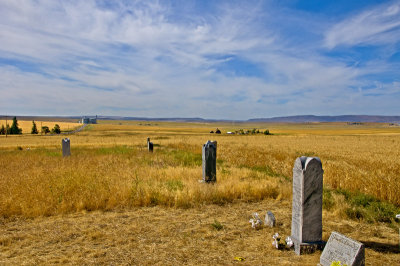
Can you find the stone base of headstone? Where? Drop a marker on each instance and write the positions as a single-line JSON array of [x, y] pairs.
[[308, 248]]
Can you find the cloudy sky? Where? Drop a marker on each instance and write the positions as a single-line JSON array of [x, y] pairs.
[[210, 59]]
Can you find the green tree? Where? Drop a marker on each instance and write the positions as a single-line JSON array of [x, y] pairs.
[[56, 129], [2, 130], [266, 132], [45, 129], [8, 129], [14, 130], [34, 128]]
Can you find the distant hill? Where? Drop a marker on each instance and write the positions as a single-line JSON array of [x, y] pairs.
[[283, 119], [340, 118]]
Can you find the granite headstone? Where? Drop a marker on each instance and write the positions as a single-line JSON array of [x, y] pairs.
[[66, 148], [149, 145], [209, 156], [307, 205]]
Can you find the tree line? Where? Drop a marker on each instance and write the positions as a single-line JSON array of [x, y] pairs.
[[15, 130]]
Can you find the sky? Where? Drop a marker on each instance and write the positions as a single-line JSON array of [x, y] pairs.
[[210, 59]]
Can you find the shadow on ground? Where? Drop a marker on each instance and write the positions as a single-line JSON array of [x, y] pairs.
[[382, 247]]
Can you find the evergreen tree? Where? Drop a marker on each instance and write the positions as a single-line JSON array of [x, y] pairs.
[[14, 127], [2, 130], [56, 129], [34, 128], [8, 129]]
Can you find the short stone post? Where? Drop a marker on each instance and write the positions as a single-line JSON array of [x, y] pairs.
[[66, 148], [210, 161], [307, 205], [149, 145]]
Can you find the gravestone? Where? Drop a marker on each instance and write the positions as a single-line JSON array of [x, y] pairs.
[[66, 148], [149, 145], [210, 161], [343, 249], [307, 205], [270, 219]]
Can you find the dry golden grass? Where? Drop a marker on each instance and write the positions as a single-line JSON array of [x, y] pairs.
[[111, 170], [166, 236], [26, 126]]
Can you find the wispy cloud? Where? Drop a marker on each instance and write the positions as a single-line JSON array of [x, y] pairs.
[[220, 59], [375, 26]]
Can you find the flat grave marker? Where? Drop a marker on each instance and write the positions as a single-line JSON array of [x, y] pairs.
[[343, 249]]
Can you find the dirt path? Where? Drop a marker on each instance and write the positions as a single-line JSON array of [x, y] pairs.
[[163, 236]]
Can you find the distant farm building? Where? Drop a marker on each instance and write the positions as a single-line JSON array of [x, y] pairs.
[[89, 120]]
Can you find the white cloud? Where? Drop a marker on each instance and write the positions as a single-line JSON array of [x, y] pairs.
[[140, 58], [379, 25]]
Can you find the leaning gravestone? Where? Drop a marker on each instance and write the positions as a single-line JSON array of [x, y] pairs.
[[307, 205], [343, 249], [210, 161], [66, 148]]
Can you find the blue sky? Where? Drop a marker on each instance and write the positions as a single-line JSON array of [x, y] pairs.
[[210, 59]]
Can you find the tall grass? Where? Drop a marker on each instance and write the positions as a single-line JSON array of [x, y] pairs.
[[111, 168]]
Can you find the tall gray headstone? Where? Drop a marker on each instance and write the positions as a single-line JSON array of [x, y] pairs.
[[210, 161], [307, 205], [149, 145], [343, 249], [66, 148]]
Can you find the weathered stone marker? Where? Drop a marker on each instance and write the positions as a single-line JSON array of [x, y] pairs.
[[270, 219], [149, 145], [66, 148], [343, 249], [210, 161], [307, 205]]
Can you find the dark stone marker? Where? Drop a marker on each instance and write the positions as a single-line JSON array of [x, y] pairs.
[[210, 161], [343, 249], [66, 148], [149, 145], [307, 205]]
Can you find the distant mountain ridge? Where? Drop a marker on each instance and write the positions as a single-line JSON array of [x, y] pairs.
[[339, 118], [282, 119]]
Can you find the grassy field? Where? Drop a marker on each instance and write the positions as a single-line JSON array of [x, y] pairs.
[[97, 196]]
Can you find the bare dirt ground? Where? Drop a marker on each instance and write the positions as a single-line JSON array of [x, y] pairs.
[[169, 236]]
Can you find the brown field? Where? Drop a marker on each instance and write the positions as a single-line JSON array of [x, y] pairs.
[[26, 126], [113, 202]]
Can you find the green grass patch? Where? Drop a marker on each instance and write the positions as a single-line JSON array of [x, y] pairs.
[[217, 225], [328, 202], [369, 208]]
